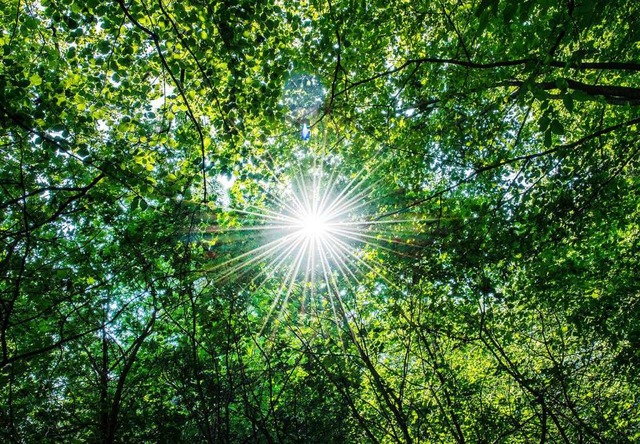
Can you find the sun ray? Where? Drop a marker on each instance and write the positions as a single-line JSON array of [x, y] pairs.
[[291, 281], [345, 202], [352, 186], [318, 234], [364, 239], [272, 267], [349, 251], [269, 248], [266, 214], [328, 284]]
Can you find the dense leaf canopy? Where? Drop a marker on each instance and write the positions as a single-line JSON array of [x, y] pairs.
[[475, 282]]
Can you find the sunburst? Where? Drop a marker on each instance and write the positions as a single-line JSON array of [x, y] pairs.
[[311, 235]]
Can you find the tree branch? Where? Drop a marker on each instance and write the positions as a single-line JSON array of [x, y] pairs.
[[156, 42], [578, 66]]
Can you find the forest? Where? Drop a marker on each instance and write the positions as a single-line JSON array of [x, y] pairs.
[[319, 221]]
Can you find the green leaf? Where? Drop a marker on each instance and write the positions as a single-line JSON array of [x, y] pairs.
[[544, 123], [486, 6], [547, 139], [557, 127], [35, 80], [84, 150], [58, 128], [510, 11], [562, 84], [568, 102], [580, 96]]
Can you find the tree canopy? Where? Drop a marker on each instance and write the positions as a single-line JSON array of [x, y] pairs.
[[319, 221]]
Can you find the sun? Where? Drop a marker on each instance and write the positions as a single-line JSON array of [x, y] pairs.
[[311, 228], [312, 236], [310, 211], [314, 226]]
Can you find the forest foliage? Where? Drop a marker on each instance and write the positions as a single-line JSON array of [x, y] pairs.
[[495, 146]]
